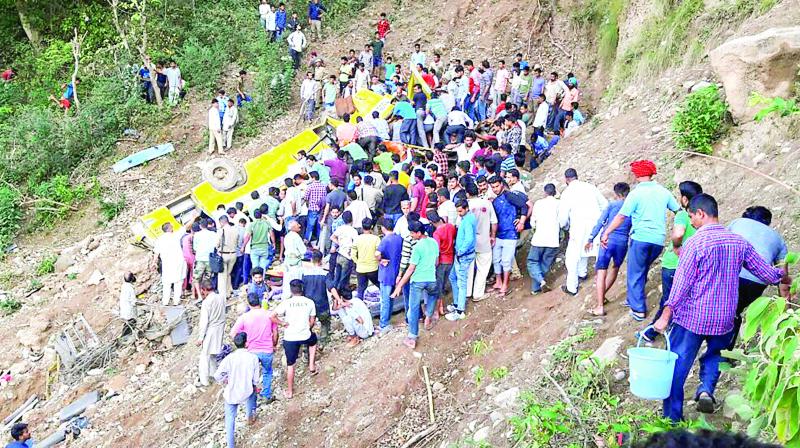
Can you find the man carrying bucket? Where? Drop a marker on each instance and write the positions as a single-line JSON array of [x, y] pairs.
[[702, 303]]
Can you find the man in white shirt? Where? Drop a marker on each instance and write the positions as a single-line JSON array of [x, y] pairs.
[[381, 125], [553, 90], [580, 207], [540, 118], [203, 243], [343, 237], [457, 123], [297, 43], [501, 77], [214, 129], [240, 372], [297, 316], [293, 253], [309, 90], [361, 78], [271, 25], [466, 150], [173, 81], [229, 121], [358, 208], [355, 316], [445, 207], [417, 57], [127, 303], [210, 331], [545, 239], [485, 231], [173, 266]]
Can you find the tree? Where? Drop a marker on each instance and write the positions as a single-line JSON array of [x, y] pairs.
[[76, 55], [137, 25], [23, 10]]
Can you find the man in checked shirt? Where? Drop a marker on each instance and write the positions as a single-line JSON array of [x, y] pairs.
[[702, 303]]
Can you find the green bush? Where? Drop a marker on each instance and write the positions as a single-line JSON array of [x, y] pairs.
[[700, 120], [110, 209], [10, 216], [9, 306], [47, 265], [55, 198]]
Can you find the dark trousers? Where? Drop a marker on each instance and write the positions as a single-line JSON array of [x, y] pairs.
[[247, 266], [667, 276], [551, 116], [370, 144], [236, 272], [295, 58], [749, 291], [640, 256], [364, 278], [686, 345]]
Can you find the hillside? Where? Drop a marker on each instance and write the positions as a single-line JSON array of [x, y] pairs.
[[513, 356]]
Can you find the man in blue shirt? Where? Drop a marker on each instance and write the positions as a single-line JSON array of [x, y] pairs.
[[754, 227], [315, 10], [280, 21], [616, 250], [21, 435], [464, 256], [511, 210], [646, 206], [420, 103], [408, 130], [390, 249]]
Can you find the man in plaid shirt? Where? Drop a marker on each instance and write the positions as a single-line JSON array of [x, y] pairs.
[[440, 158], [702, 303], [315, 198]]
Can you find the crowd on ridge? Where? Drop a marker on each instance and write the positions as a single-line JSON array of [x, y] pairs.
[[429, 209]]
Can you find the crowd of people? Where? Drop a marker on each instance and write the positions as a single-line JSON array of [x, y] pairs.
[[430, 208]]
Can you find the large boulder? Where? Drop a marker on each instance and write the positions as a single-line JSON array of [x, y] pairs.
[[766, 63]]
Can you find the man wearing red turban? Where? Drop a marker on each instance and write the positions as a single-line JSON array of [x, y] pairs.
[[646, 206]]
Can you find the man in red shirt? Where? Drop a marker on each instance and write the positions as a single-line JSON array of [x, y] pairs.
[[383, 27], [445, 236], [419, 199]]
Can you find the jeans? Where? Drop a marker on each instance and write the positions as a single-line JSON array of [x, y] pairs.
[[236, 275], [458, 280], [442, 275], [261, 257], [437, 129], [640, 256], [551, 115], [364, 278], [420, 292], [295, 58], [343, 269], [503, 254], [469, 107], [408, 131], [686, 345], [230, 418], [311, 104], [386, 305], [749, 291], [393, 216], [540, 259], [480, 108], [312, 226], [422, 138], [667, 275], [458, 130], [247, 266], [243, 99], [266, 374]]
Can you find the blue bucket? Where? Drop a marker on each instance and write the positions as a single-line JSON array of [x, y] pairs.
[[651, 370]]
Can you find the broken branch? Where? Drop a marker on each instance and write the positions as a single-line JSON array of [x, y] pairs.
[[430, 394], [419, 436]]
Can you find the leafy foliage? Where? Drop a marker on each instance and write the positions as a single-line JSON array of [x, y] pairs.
[[700, 120], [769, 364], [498, 373], [779, 106], [10, 215], [47, 265], [9, 305], [603, 17], [480, 347], [55, 198]]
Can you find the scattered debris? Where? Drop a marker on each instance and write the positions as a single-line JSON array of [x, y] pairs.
[[143, 156], [77, 407]]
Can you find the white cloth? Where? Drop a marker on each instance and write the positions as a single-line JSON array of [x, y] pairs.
[[478, 271], [270, 18], [552, 89], [230, 118], [544, 221], [345, 236], [204, 242], [540, 119], [458, 118], [127, 302], [448, 211], [349, 316], [211, 329], [360, 210], [580, 207], [296, 311], [485, 217], [173, 77], [241, 371], [309, 89], [297, 41], [214, 123], [417, 58], [361, 80], [169, 249], [263, 10], [464, 153]]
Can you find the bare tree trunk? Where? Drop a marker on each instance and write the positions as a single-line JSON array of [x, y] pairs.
[[31, 32], [115, 10], [76, 55]]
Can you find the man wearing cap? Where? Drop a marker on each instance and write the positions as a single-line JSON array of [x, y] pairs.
[[646, 206]]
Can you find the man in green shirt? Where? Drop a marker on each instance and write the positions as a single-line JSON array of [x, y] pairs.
[[259, 235], [682, 230], [422, 273], [356, 151], [272, 203], [384, 159], [525, 85], [377, 54], [323, 171], [437, 108]]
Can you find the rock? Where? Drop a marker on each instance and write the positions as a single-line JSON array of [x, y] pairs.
[[64, 261], [438, 387], [481, 434], [758, 158], [619, 375], [18, 368], [140, 369], [116, 383], [492, 389], [507, 398], [95, 372], [527, 356], [699, 85], [30, 338], [765, 63], [188, 392], [497, 417], [606, 353], [169, 417], [95, 278], [92, 244]]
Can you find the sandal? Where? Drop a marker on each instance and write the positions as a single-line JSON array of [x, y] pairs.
[[638, 317], [594, 314]]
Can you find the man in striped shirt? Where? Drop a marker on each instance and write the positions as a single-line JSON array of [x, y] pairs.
[[702, 303]]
